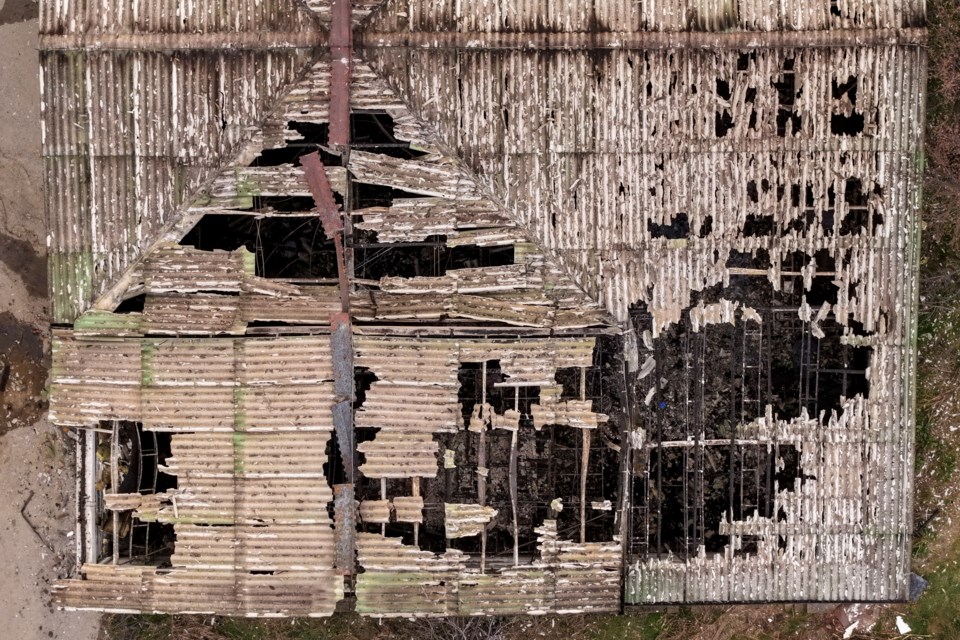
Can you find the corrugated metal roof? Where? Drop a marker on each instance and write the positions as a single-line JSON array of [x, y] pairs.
[[615, 144], [400, 580], [140, 589], [578, 157], [613, 16]]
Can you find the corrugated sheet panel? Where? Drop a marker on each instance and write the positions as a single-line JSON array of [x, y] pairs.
[[436, 179], [136, 589], [414, 219], [402, 580], [173, 268], [275, 548], [386, 594], [464, 520], [260, 384], [408, 508], [288, 454], [381, 553], [400, 455], [232, 192], [192, 315], [94, 380], [375, 511], [248, 501], [123, 16], [388, 407], [311, 305], [571, 413], [530, 308], [605, 16]]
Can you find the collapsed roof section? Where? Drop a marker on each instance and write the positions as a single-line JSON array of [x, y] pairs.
[[739, 186], [369, 351]]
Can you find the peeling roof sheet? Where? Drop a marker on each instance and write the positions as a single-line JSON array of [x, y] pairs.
[[567, 578]]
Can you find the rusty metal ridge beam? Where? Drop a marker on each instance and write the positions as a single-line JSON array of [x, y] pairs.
[[256, 40], [645, 39], [341, 55], [330, 217]]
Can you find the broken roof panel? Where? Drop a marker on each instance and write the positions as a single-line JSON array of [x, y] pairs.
[[568, 578]]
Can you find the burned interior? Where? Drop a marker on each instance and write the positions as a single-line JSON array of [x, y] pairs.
[[430, 312]]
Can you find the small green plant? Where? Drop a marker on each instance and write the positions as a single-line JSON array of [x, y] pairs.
[[628, 627]]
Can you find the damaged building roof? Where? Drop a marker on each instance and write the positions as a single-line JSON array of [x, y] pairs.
[[429, 309]]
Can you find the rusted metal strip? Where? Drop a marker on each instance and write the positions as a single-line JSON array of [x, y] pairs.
[[322, 193], [341, 348], [645, 39], [584, 468], [343, 427], [341, 52], [330, 217], [345, 527], [482, 465], [341, 343], [249, 40]]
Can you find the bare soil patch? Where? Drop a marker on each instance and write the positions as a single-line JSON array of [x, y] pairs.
[[23, 373]]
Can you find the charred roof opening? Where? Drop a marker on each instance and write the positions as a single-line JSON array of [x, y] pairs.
[[429, 258], [285, 247], [678, 227], [374, 132]]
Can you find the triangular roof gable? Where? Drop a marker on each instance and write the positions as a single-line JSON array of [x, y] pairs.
[[139, 111], [454, 205]]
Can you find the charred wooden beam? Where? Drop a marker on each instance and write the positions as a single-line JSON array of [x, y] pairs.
[[584, 461], [482, 468]]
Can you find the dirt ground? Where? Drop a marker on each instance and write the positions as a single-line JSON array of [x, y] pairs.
[[36, 507]]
